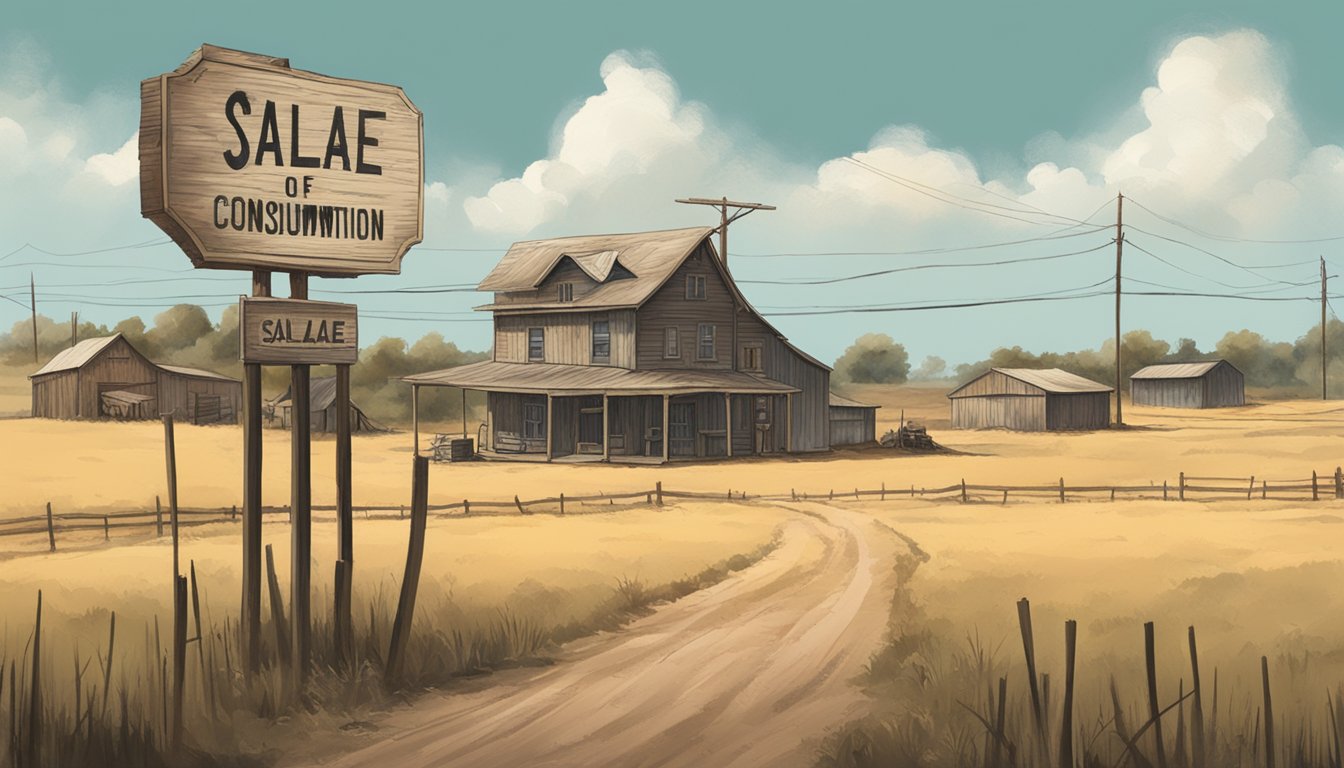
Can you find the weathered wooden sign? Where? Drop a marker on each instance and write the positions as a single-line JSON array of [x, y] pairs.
[[249, 164], [297, 332]]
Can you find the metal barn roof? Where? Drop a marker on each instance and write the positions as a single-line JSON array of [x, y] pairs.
[[840, 401], [550, 378], [196, 372], [1178, 370], [76, 356], [1049, 380]]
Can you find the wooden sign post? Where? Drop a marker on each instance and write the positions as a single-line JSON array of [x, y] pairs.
[[247, 163]]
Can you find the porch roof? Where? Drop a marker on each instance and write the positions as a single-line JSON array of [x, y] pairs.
[[552, 379]]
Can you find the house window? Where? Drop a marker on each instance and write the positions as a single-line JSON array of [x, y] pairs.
[[534, 420], [751, 358], [671, 343], [566, 292], [695, 287], [601, 341], [704, 346], [536, 344]]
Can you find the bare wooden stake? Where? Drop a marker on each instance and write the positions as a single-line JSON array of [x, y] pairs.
[[51, 529], [658, 492], [282, 641], [158, 518], [1066, 726], [1029, 651], [1154, 706], [1269, 713], [516, 503], [1182, 488], [1061, 490], [410, 582], [1315, 496], [1250, 490], [964, 498], [1197, 742], [562, 503], [35, 717]]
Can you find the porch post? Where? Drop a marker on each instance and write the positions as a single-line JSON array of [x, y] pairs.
[[464, 413], [666, 455], [415, 417], [550, 417], [606, 428], [728, 421], [788, 423]]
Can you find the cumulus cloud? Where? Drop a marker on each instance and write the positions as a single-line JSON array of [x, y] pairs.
[[117, 168]]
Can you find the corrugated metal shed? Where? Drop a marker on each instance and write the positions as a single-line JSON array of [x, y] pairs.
[[568, 380]]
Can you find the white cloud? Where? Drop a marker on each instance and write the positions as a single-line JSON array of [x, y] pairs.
[[118, 167]]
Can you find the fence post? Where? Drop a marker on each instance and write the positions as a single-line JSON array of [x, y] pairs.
[[466, 507], [658, 491], [410, 583], [562, 503], [1315, 494], [1181, 495], [1164, 490], [516, 503], [963, 491], [1112, 494], [1339, 482], [1264, 489], [158, 517], [1005, 495], [793, 494], [1061, 490], [1251, 490], [107, 530], [51, 529], [831, 495], [884, 491]]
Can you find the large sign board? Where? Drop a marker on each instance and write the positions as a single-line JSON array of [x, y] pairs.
[[249, 164], [297, 332]]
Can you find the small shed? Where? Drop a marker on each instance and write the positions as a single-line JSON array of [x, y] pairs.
[[852, 422], [1031, 400], [108, 378], [1205, 384], [322, 407]]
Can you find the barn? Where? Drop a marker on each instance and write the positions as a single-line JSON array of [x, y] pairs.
[[108, 378], [1206, 384], [322, 406], [1031, 400], [852, 422]]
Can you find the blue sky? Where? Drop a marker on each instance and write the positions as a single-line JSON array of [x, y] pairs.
[[551, 119]]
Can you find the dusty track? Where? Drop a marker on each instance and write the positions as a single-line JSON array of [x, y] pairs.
[[750, 672]]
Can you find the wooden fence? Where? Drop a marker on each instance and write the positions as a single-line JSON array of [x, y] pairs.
[[1184, 488]]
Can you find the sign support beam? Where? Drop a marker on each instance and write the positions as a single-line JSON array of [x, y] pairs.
[[252, 462], [301, 504]]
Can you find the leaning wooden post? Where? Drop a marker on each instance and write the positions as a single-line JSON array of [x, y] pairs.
[[179, 589], [1269, 713], [51, 529], [1066, 725], [1029, 651], [158, 518], [35, 718], [1251, 490], [1196, 708], [1315, 496], [283, 644], [1154, 706], [410, 582]]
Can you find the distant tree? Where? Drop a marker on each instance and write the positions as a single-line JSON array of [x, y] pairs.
[[178, 327], [1186, 349], [873, 358], [1265, 363], [933, 367]]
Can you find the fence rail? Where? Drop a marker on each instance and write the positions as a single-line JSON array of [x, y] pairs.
[[1184, 489]]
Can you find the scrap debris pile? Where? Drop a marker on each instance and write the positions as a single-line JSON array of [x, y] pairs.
[[910, 437]]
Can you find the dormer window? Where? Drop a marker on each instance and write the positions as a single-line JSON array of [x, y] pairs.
[[695, 287], [565, 292]]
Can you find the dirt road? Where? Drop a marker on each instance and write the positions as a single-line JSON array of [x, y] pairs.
[[750, 672]]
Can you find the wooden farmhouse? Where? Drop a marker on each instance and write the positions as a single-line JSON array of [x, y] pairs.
[[852, 422], [107, 378], [1031, 400], [322, 408], [640, 348], [1208, 384]]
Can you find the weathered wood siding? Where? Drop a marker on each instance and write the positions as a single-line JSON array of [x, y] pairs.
[[1078, 411], [629, 421], [56, 395], [1223, 386], [853, 426], [178, 394], [118, 366], [781, 362], [996, 383], [669, 307], [1020, 412], [504, 413], [569, 337]]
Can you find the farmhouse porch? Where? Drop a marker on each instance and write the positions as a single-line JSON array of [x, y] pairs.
[[545, 412]]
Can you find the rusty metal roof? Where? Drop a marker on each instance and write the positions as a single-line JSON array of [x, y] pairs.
[[549, 378], [1178, 370]]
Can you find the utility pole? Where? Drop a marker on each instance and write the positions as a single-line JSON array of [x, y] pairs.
[[723, 204], [32, 303], [1323, 306], [1119, 253], [74, 328]]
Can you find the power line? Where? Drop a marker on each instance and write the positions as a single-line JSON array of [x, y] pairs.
[[1228, 239], [1207, 252], [59, 254], [912, 302], [923, 251], [961, 305], [1211, 279], [917, 267]]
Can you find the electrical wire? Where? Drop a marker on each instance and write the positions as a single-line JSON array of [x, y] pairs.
[[1228, 239], [923, 251], [1179, 268], [1207, 252], [1104, 281]]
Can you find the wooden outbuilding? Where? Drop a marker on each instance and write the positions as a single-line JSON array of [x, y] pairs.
[[637, 348], [1205, 384], [322, 405], [1031, 400], [852, 422], [108, 378]]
